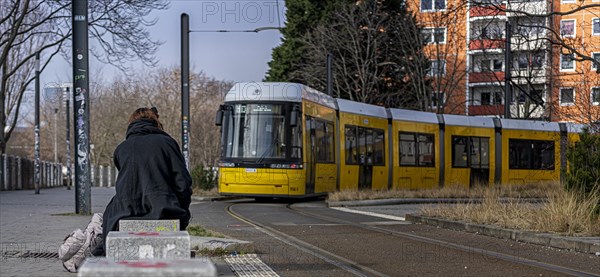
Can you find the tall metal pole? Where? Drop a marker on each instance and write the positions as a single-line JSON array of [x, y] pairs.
[[55, 136], [36, 147], [507, 71], [81, 110], [329, 74], [68, 140], [185, 88]]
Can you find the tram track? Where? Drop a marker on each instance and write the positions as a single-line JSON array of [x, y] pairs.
[[345, 264], [440, 243]]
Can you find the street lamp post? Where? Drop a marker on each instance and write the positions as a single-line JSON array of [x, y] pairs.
[[185, 88]]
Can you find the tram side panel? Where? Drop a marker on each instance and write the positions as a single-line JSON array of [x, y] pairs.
[[319, 148], [416, 159], [532, 157], [363, 154], [470, 156]]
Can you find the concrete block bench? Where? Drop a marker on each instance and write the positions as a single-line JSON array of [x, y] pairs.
[[96, 267], [140, 225], [122, 246]]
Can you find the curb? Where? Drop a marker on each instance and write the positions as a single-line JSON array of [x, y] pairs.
[[589, 245], [400, 201]]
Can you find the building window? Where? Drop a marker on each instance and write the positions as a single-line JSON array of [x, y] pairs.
[[470, 152], [364, 146], [595, 96], [596, 26], [486, 98], [494, 65], [567, 28], [497, 98], [567, 61], [438, 68], [433, 5], [434, 35], [437, 98], [417, 149], [530, 154], [567, 96], [595, 56]]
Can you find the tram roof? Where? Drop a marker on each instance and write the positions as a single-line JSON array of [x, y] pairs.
[[468, 121], [414, 116], [516, 124], [277, 92], [575, 127], [348, 106]]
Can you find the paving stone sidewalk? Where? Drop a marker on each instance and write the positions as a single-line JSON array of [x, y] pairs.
[[35, 226]]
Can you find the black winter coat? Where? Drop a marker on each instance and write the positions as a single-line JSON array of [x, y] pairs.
[[153, 181]]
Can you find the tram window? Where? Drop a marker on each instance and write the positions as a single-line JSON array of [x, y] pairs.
[[485, 152], [350, 144], [479, 152], [407, 149], [531, 154], [417, 149], [329, 139], [369, 141], [324, 141], [379, 147], [426, 150], [362, 145], [296, 141], [459, 151]]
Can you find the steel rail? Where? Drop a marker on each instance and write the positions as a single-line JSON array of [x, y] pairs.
[[469, 249], [333, 259]]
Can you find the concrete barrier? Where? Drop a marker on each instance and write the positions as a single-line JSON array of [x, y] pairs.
[[122, 246], [171, 225], [97, 267]]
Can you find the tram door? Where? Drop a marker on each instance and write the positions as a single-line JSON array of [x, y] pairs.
[[479, 161], [365, 161], [310, 157]]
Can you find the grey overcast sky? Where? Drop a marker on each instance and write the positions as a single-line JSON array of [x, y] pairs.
[[230, 56]]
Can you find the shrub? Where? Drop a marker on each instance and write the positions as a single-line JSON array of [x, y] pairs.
[[203, 177], [583, 172]]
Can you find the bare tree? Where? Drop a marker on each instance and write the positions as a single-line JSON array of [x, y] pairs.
[[160, 88], [373, 62], [29, 27]]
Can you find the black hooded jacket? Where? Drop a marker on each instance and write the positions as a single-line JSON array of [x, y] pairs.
[[153, 181]]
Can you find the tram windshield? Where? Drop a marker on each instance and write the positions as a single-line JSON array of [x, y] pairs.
[[255, 132]]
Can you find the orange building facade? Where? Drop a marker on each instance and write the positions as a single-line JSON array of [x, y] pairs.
[[466, 42]]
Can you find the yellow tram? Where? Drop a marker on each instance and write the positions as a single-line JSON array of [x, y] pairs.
[[289, 140]]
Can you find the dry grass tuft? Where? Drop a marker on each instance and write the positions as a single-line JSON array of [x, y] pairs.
[[565, 212], [513, 191]]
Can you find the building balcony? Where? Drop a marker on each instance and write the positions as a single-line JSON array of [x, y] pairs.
[[483, 44], [483, 11], [486, 110], [485, 77]]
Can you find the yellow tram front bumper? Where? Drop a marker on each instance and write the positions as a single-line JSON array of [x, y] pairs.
[[261, 181]]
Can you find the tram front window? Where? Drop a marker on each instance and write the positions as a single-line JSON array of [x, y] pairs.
[[256, 132]]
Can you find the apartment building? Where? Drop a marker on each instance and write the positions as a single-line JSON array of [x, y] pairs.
[[467, 42]]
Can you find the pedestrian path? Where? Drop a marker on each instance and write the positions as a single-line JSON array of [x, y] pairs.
[[33, 226]]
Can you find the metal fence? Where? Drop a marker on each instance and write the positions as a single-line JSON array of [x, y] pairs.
[[20, 174]]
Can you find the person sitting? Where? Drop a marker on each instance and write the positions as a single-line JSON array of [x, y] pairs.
[[153, 181]]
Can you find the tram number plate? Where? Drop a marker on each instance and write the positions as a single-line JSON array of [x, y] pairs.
[[252, 170]]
